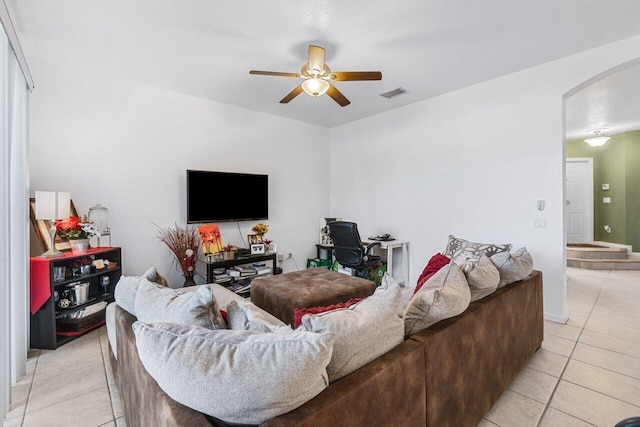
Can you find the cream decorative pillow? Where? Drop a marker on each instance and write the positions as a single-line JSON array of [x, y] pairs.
[[461, 250], [245, 316], [239, 377], [513, 266], [159, 304], [127, 288], [363, 331], [482, 276], [444, 295]]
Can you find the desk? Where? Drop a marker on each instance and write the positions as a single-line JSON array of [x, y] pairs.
[[389, 246]]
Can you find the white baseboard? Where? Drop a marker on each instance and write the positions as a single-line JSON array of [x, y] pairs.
[[557, 319]]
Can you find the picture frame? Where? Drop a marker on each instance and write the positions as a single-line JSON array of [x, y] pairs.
[[325, 237], [254, 239], [41, 227], [210, 239], [257, 249]]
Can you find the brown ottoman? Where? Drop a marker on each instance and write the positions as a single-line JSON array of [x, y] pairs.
[[281, 293]]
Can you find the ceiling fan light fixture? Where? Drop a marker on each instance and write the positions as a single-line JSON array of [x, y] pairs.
[[315, 87], [598, 139]]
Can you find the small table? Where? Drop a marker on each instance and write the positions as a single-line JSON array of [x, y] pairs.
[[389, 246], [313, 287], [329, 248]]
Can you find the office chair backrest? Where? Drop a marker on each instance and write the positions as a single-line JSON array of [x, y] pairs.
[[347, 246]]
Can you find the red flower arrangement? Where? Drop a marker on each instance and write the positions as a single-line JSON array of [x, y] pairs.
[[74, 228]]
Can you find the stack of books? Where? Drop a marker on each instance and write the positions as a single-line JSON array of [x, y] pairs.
[[242, 287], [262, 270], [222, 278], [245, 271]]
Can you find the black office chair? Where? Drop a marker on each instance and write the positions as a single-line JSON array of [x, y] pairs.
[[629, 422], [348, 248]]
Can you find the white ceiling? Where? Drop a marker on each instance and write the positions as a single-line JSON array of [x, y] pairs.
[[206, 48], [612, 103]]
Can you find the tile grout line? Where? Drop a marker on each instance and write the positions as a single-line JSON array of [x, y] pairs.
[[47, 378], [605, 349], [33, 379], [555, 388], [106, 377], [599, 392]]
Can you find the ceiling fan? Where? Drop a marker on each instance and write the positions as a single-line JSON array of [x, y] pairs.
[[318, 78]]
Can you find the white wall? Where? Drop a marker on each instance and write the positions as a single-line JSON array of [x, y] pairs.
[[471, 163], [127, 146]]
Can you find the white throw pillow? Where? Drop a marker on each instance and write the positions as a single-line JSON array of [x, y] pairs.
[[513, 266], [363, 331], [237, 376], [461, 250], [482, 276], [127, 288], [444, 295], [245, 316], [160, 304]]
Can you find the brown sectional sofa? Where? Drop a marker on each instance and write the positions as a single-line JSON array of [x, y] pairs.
[[449, 374]]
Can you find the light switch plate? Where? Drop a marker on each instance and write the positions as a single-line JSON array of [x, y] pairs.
[[540, 223], [605, 186], [606, 200]]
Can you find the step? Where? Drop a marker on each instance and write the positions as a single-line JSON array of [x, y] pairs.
[[631, 263], [596, 253]]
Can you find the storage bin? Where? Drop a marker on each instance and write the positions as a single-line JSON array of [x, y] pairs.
[[67, 324], [318, 263]]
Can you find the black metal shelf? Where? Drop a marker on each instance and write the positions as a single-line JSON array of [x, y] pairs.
[[92, 300], [85, 277], [248, 259], [44, 330]]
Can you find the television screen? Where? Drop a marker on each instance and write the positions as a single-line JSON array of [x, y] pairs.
[[223, 196]]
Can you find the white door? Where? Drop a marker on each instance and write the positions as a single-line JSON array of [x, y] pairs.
[[579, 194]]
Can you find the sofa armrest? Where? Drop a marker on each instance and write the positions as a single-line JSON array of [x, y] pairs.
[[476, 355], [143, 401], [387, 391]]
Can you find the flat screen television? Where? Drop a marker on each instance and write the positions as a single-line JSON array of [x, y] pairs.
[[224, 196]]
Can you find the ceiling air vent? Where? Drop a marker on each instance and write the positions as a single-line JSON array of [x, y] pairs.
[[393, 93]]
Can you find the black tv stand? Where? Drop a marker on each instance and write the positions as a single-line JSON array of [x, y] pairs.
[[229, 263]]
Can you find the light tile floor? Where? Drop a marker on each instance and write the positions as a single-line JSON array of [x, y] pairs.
[[587, 372]]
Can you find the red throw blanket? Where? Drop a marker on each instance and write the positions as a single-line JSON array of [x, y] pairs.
[[40, 285]]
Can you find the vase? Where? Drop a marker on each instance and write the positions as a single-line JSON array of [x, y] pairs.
[[188, 281], [79, 246]]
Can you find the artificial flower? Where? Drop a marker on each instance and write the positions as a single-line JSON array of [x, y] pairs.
[[260, 228], [184, 244]]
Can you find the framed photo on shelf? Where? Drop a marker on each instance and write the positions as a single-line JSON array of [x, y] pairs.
[[254, 238], [257, 248]]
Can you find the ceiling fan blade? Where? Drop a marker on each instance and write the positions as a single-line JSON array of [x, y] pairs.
[[344, 76], [274, 73], [337, 96], [295, 92], [316, 58]]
